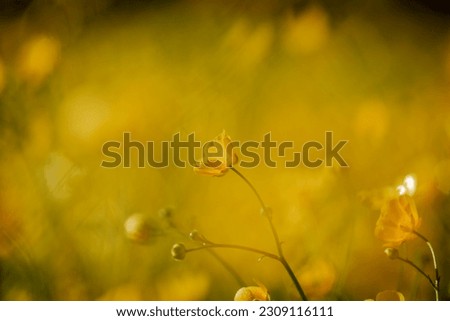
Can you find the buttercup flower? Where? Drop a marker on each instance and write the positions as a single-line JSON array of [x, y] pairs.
[[218, 164], [397, 222], [252, 293], [390, 295]]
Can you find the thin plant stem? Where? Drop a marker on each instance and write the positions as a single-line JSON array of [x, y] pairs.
[[293, 278], [436, 271], [236, 247], [251, 186], [264, 208], [227, 267], [418, 270], [280, 256], [219, 259]]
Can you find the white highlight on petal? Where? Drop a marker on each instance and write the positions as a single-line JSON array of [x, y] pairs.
[[410, 184], [401, 190]]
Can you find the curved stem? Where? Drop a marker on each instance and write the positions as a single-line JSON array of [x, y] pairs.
[[418, 270], [282, 260], [280, 256], [224, 264], [293, 278], [436, 271], [264, 208], [251, 186], [236, 247], [276, 238], [227, 267]]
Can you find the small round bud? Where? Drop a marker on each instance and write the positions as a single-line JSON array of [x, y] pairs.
[[252, 293], [390, 295], [178, 251], [195, 235], [138, 228], [391, 253]]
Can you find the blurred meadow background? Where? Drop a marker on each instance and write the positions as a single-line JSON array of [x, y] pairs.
[[76, 74]]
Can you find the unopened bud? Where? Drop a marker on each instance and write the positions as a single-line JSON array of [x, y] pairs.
[[391, 253], [252, 293], [390, 295], [195, 235], [178, 251], [138, 228]]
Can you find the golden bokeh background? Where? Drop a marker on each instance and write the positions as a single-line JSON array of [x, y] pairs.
[[76, 74]]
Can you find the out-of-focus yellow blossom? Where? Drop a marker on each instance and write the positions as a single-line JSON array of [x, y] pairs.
[[307, 32], [84, 119], [371, 121], [218, 165], [124, 292], [39, 57], [182, 286], [390, 295], [397, 222], [248, 46], [317, 278], [252, 293]]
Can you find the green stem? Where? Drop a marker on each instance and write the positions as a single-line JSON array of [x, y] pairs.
[[280, 256], [436, 271]]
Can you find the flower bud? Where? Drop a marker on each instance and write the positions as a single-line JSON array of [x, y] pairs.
[[195, 235], [252, 293], [391, 253], [178, 251], [390, 295], [138, 228]]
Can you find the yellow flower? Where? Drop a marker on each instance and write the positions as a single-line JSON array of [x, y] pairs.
[[252, 293], [397, 222], [220, 157], [317, 278], [388, 295]]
